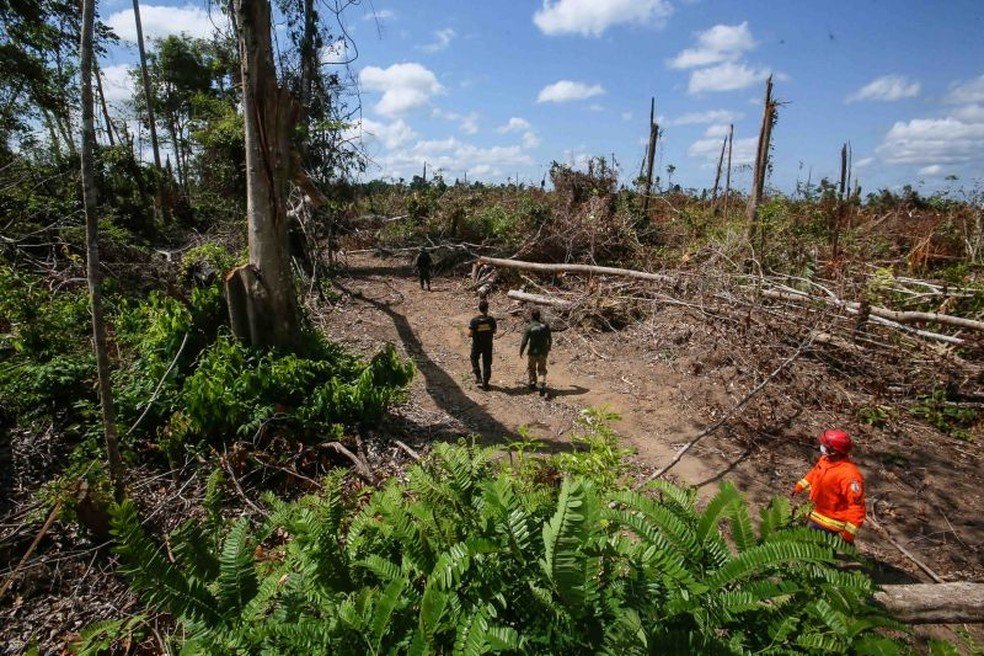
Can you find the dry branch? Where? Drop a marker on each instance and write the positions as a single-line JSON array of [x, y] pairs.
[[728, 415], [576, 268]]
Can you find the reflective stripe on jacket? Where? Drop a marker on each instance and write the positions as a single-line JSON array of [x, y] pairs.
[[837, 492]]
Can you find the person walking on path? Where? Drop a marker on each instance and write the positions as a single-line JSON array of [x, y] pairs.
[[537, 336], [481, 329], [423, 266], [836, 488]]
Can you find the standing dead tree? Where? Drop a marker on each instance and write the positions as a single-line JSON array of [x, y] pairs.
[[727, 181], [761, 163], [650, 154]]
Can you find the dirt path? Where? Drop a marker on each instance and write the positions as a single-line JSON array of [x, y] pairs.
[[664, 392]]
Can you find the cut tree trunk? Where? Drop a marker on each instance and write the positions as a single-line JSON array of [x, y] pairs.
[[761, 163], [270, 114], [576, 268], [934, 603]]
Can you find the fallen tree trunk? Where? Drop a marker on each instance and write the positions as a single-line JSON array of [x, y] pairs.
[[876, 315], [576, 268], [885, 313], [538, 299], [934, 603]]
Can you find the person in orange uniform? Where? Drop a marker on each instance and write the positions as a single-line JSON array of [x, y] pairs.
[[836, 488]]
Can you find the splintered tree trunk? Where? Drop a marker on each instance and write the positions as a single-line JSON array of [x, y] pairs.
[[270, 113], [92, 251], [761, 163], [650, 154]]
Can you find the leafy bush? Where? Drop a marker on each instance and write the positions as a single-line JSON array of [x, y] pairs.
[[45, 360], [460, 558], [234, 389]]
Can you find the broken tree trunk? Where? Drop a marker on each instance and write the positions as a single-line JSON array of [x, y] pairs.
[[717, 176], [538, 299], [650, 154], [934, 603], [761, 162], [727, 177], [576, 268]]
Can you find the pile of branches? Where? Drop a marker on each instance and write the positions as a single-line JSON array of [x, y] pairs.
[[879, 354]]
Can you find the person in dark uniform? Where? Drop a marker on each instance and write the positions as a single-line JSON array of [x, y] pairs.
[[539, 339], [481, 329], [423, 264]]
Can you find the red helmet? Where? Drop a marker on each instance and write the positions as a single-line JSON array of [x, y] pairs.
[[837, 440]]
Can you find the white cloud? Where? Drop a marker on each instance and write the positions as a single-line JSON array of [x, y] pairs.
[[404, 87], [716, 131], [381, 15], [566, 91], [515, 124], [392, 135], [530, 140], [442, 40], [336, 52], [721, 43], [117, 83], [932, 169], [452, 156], [710, 116], [160, 21], [743, 150], [887, 88], [862, 163], [468, 123], [592, 17], [934, 141], [970, 113], [969, 92], [725, 77]]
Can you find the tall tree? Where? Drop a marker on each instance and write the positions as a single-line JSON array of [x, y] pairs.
[[270, 114], [92, 250], [145, 75]]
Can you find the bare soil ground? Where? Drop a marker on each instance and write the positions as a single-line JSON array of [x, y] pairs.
[[667, 379]]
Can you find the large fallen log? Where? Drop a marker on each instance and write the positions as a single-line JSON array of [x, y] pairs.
[[934, 603], [576, 268], [538, 299]]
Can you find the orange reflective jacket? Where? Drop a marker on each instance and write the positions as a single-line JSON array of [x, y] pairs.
[[837, 492]]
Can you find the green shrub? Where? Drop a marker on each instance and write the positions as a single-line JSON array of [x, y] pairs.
[[234, 389], [460, 558], [46, 363]]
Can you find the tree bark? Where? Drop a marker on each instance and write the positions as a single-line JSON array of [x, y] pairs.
[[92, 251], [727, 180], [538, 299], [717, 176], [576, 268], [270, 113], [934, 603]]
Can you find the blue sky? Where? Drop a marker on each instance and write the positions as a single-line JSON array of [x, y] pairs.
[[500, 89]]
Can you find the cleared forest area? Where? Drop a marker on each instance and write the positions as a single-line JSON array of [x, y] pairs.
[[243, 427]]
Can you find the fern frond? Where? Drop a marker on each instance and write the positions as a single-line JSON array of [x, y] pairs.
[[716, 509], [742, 531], [760, 559], [237, 582]]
